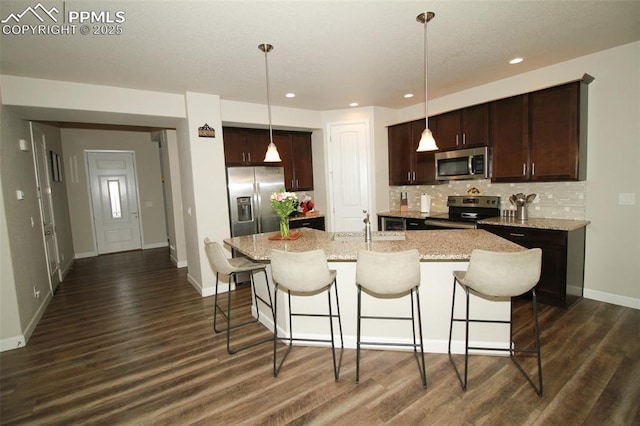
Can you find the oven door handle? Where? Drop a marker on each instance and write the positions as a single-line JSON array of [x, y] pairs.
[[449, 224]]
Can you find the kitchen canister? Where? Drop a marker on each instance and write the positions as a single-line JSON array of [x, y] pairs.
[[425, 203]]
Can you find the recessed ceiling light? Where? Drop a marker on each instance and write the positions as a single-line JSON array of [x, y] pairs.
[[409, 95], [516, 60], [290, 95], [354, 104]]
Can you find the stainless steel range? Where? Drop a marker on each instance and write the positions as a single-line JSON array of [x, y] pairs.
[[464, 212]]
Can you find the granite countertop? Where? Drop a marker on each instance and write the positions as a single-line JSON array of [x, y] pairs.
[[537, 223], [301, 217], [437, 245], [412, 214], [533, 223]]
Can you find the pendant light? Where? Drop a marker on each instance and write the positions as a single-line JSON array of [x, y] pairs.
[[272, 155], [427, 142]]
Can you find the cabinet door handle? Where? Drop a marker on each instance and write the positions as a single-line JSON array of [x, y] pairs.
[[249, 155], [457, 140], [414, 176], [533, 169], [515, 234], [409, 176], [297, 183], [243, 157], [524, 169], [464, 139]]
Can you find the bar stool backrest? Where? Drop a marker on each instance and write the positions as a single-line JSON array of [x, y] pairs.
[[305, 271], [217, 259], [501, 274], [388, 273]]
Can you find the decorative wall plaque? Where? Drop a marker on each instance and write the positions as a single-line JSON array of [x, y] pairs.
[[206, 131]]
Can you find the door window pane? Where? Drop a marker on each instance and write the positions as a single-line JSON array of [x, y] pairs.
[[114, 199]]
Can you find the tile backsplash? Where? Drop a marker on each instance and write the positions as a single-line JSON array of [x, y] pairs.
[[555, 200]]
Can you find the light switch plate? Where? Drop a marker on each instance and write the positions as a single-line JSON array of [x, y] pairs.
[[19, 194], [627, 199]]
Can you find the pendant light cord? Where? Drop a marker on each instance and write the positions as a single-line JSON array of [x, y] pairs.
[[426, 73], [266, 65]]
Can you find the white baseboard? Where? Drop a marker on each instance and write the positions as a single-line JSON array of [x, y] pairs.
[[19, 341], [615, 299], [155, 245], [86, 254], [179, 264], [11, 343], [204, 292], [64, 271]]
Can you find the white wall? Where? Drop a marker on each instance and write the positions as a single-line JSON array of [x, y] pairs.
[[89, 103], [24, 260], [173, 195], [204, 191]]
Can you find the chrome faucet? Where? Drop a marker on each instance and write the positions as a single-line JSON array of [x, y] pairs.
[[367, 227]]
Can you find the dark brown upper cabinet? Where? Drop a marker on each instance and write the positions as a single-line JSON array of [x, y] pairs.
[[541, 135], [406, 166], [462, 128], [510, 138], [295, 151], [245, 147]]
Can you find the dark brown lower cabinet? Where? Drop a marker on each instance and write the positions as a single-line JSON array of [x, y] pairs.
[[308, 222], [562, 278]]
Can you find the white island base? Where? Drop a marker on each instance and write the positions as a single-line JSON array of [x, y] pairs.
[[435, 294], [435, 301]]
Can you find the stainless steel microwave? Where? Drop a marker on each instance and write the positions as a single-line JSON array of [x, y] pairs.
[[468, 163]]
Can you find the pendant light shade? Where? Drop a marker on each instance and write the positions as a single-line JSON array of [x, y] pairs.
[[427, 142], [272, 155]]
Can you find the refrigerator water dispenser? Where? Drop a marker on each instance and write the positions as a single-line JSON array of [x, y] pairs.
[[243, 205]]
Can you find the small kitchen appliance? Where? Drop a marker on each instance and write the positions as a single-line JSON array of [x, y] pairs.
[[467, 163]]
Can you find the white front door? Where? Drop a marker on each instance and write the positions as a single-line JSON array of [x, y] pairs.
[[349, 167], [43, 182], [114, 198]]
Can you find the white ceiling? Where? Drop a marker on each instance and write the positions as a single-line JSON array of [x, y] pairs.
[[330, 53]]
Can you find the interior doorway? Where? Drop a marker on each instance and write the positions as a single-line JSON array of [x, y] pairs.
[[114, 200], [43, 182], [349, 171]]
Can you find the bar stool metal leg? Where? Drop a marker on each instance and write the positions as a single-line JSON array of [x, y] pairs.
[[227, 315], [463, 378], [337, 361]]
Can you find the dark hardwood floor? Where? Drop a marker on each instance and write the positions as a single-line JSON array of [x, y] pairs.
[[127, 340]]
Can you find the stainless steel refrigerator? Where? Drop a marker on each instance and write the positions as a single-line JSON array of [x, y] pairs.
[[250, 189]]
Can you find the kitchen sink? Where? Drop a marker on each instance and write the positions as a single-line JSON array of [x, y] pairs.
[[375, 236]]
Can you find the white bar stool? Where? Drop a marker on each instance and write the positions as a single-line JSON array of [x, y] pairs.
[[391, 275], [303, 274], [220, 264], [500, 276]]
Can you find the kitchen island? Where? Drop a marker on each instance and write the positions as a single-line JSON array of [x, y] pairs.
[[441, 252]]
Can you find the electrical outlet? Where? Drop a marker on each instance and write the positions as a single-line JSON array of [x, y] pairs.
[[627, 199], [36, 292]]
